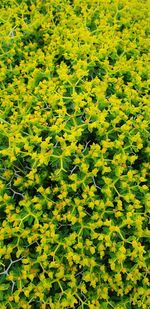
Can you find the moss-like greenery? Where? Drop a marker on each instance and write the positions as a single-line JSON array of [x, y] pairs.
[[74, 115]]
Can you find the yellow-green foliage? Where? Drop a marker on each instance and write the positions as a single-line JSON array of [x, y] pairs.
[[74, 150]]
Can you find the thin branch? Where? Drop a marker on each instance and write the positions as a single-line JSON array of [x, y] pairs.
[[96, 184], [11, 263], [86, 146], [73, 169], [16, 193], [13, 285]]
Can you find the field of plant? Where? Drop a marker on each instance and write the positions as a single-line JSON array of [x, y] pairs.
[[74, 154]]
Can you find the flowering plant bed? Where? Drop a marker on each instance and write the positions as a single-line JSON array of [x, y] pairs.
[[74, 154]]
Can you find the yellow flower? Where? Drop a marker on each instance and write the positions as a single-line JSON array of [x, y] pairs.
[[92, 250]]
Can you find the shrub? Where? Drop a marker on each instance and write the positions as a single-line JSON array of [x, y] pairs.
[[74, 115]]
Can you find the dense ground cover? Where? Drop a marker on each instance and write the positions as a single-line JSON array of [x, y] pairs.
[[74, 199]]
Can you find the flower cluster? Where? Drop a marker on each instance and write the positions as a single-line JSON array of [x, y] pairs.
[[74, 130]]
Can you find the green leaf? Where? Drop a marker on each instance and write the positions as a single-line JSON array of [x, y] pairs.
[[4, 287]]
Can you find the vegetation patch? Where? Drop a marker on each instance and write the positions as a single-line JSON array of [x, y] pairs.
[[74, 154]]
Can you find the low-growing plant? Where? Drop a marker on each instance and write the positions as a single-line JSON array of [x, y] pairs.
[[74, 154]]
